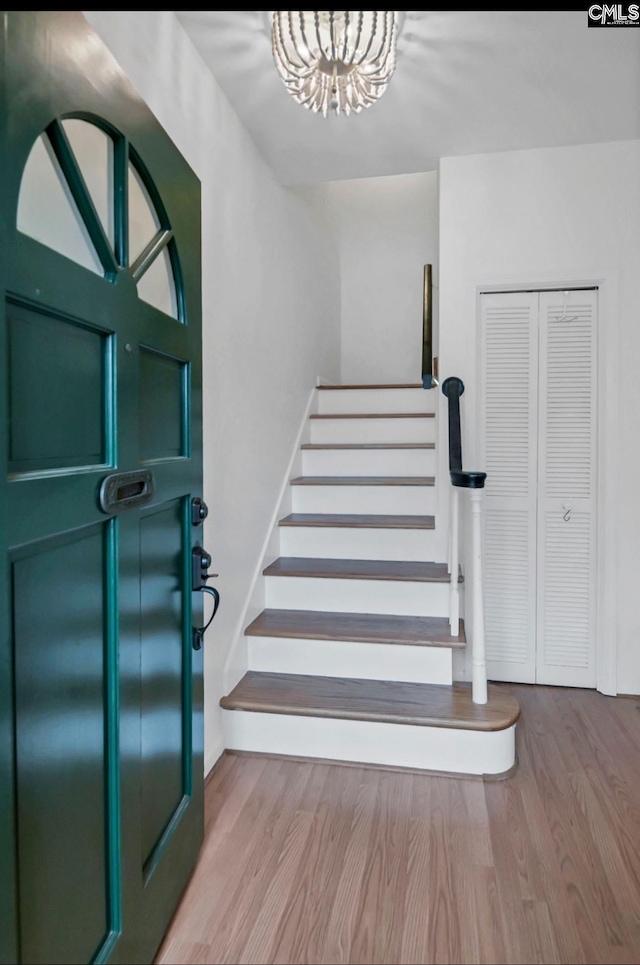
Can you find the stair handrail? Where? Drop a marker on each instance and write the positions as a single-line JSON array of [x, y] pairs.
[[429, 362], [453, 388]]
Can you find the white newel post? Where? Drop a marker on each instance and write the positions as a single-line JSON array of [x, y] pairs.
[[479, 682], [454, 563]]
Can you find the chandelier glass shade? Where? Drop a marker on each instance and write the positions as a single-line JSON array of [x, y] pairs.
[[335, 60]]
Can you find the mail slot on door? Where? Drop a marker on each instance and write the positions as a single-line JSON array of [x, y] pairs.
[[126, 490]]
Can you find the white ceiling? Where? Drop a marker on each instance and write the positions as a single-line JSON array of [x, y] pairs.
[[466, 82]]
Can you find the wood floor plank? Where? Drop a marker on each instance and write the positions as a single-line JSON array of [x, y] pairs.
[[597, 916], [429, 705], [346, 900], [620, 875], [263, 921], [476, 821], [544, 949], [414, 572], [460, 831], [363, 481], [610, 805], [359, 521], [517, 939], [310, 863], [378, 924], [541, 850], [444, 934], [231, 838], [356, 627], [174, 952], [246, 887], [417, 925], [489, 916], [302, 932]]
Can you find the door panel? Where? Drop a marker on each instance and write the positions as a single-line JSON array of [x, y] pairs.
[[165, 679], [62, 654], [567, 487], [164, 406], [101, 755], [57, 377]]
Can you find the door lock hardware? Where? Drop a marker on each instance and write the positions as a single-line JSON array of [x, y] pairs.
[[199, 511], [200, 563]]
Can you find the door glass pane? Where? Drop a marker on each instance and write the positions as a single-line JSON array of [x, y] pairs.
[[48, 213], [94, 153], [144, 223], [157, 286]]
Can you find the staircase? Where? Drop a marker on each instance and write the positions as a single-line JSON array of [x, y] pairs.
[[352, 659]]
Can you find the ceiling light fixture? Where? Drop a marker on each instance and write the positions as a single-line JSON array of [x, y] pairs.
[[335, 60]]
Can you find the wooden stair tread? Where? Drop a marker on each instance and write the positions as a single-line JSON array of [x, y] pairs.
[[405, 385], [356, 627], [368, 445], [373, 415], [363, 481], [358, 521], [386, 701], [418, 572]]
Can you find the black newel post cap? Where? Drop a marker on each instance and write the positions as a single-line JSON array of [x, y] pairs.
[[453, 387], [467, 480]]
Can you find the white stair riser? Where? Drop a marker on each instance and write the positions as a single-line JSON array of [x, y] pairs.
[[372, 430], [376, 400], [344, 658], [376, 500], [371, 742], [357, 596], [369, 462], [346, 543]]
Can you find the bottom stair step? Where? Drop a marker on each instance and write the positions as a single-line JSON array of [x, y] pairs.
[[381, 700], [427, 726]]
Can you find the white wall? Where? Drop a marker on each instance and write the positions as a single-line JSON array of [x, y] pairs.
[[387, 230], [271, 310], [551, 217]]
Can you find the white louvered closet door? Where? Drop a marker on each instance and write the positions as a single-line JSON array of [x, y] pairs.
[[509, 368], [566, 489], [538, 365]]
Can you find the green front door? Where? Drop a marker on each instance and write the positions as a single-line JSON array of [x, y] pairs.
[[100, 374]]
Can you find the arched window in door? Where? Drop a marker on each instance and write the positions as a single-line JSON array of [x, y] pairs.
[[86, 194]]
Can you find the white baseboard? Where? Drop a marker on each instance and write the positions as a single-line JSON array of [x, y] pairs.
[[213, 754]]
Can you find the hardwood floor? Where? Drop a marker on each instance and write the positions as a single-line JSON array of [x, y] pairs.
[[322, 863]]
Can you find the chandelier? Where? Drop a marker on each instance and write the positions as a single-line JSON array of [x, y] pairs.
[[335, 60]]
